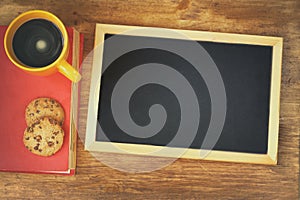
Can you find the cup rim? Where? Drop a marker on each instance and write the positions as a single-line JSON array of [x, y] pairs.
[[55, 20]]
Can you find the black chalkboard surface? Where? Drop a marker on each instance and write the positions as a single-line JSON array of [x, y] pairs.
[[249, 67]]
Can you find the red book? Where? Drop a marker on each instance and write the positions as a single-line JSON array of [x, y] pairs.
[[17, 89]]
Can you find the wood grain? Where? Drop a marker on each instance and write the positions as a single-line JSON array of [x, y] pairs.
[[184, 179]]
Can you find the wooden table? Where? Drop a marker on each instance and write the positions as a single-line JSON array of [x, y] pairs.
[[184, 179]]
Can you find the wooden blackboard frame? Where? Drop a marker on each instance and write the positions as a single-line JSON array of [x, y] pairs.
[[269, 158]]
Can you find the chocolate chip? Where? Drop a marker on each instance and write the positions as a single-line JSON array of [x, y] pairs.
[[36, 102], [29, 129], [52, 101], [53, 137], [31, 114], [57, 142], [36, 148], [50, 144], [35, 123], [60, 123], [27, 138], [40, 127], [46, 100], [51, 110], [56, 132], [38, 138], [38, 111], [52, 121], [40, 150]]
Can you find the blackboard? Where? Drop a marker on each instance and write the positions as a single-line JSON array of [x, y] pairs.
[[249, 67]]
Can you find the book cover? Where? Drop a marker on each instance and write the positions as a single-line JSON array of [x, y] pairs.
[[17, 89]]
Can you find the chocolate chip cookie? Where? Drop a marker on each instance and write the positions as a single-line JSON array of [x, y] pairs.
[[44, 137], [44, 107]]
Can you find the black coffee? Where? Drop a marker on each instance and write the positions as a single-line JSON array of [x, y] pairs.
[[37, 43]]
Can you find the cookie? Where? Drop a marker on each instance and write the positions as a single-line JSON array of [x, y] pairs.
[[44, 107], [44, 137]]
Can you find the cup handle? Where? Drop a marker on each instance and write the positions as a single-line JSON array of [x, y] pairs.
[[67, 70]]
